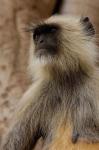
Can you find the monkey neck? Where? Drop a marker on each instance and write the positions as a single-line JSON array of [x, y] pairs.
[[70, 78]]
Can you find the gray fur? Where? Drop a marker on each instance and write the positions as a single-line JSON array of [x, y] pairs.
[[70, 93]]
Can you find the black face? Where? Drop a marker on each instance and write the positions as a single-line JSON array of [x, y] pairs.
[[46, 39]]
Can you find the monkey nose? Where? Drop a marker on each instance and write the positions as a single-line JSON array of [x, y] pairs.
[[41, 40]]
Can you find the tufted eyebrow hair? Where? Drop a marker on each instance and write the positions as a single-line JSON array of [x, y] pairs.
[[42, 27], [46, 28]]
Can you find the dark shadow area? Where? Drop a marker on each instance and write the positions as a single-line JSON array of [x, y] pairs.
[[57, 7]]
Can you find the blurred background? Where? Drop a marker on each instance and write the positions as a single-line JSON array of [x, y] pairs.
[[15, 15]]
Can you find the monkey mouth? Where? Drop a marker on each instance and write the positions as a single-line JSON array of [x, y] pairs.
[[41, 52], [45, 52]]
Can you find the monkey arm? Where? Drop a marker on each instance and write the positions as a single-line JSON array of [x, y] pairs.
[[24, 132], [21, 136], [33, 118]]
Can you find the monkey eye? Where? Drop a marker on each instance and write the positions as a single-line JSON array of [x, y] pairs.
[[53, 30], [35, 36], [44, 29]]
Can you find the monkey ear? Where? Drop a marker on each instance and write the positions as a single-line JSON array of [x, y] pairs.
[[88, 27]]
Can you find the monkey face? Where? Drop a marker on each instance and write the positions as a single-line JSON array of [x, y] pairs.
[[65, 42], [45, 38]]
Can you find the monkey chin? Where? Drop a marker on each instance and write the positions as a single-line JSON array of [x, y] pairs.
[[42, 60]]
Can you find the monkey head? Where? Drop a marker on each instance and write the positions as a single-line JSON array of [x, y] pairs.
[[63, 42]]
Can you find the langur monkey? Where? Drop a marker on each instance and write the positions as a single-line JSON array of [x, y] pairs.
[[65, 93]]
